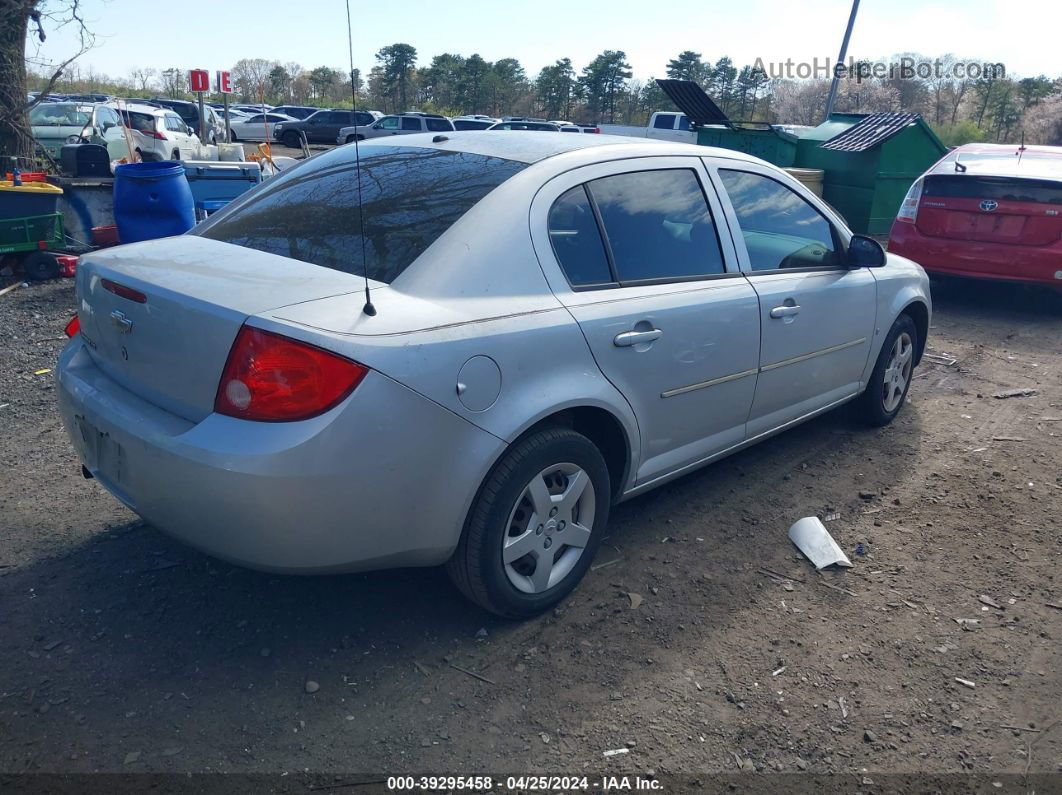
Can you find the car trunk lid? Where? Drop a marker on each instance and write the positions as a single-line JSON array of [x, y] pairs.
[[991, 209], [159, 317]]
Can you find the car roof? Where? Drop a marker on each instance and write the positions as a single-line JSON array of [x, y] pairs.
[[137, 107], [1003, 160], [532, 146]]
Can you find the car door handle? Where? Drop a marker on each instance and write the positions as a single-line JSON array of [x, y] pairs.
[[785, 311], [629, 338]]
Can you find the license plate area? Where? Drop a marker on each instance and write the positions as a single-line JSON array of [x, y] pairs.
[[101, 453]]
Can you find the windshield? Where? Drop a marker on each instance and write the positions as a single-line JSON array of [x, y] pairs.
[[410, 196], [56, 114]]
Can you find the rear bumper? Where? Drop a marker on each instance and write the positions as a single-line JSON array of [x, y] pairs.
[[385, 479], [973, 259]]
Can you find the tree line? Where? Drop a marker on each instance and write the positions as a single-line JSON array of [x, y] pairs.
[[990, 108]]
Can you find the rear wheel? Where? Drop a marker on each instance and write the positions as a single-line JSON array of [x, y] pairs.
[[175, 154], [891, 378], [40, 265], [535, 525]]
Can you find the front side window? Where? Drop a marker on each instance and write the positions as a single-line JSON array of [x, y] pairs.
[[576, 239], [388, 123], [173, 123], [684, 123], [780, 228], [410, 197], [658, 225]]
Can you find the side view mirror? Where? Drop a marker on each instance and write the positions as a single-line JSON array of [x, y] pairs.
[[865, 252]]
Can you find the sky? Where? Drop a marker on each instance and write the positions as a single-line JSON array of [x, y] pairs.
[[1021, 35]]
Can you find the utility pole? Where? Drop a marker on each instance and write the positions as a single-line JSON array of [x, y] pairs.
[[840, 59]]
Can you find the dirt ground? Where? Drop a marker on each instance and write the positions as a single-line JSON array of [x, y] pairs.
[[702, 641]]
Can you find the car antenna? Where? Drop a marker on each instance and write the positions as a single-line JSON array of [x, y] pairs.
[[368, 309]]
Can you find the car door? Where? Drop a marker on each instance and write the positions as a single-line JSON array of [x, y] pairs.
[[817, 315], [633, 249], [112, 134], [388, 125]]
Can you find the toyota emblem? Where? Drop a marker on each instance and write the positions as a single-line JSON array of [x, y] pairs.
[[988, 205]]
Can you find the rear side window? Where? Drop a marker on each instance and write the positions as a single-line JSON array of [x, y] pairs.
[[411, 124], [576, 239], [410, 197], [664, 121], [780, 229], [658, 225], [438, 125]]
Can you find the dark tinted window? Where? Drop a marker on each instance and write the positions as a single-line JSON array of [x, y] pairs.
[[781, 230], [665, 121], [410, 124], [961, 186], [576, 240], [470, 124], [658, 225], [684, 123], [438, 125], [310, 212]]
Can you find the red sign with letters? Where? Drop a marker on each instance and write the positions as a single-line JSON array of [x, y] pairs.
[[224, 83], [199, 80]]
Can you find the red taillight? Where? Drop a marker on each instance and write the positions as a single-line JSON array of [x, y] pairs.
[[270, 378], [908, 212], [123, 292], [154, 134], [73, 327]]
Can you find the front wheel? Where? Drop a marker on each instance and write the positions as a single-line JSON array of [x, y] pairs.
[[292, 140], [535, 525], [891, 378], [352, 138]]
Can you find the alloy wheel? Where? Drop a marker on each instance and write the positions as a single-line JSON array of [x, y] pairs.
[[897, 372]]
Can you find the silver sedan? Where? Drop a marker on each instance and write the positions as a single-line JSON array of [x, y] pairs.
[[507, 335]]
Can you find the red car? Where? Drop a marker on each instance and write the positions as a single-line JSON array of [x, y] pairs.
[[986, 211]]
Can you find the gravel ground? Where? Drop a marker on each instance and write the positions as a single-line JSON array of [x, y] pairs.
[[702, 642]]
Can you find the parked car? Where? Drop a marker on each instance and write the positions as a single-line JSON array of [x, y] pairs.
[[537, 126], [572, 127], [259, 127], [323, 127], [473, 122], [600, 317], [189, 112], [665, 125], [159, 133], [406, 124], [54, 124], [254, 109], [296, 111], [987, 211]]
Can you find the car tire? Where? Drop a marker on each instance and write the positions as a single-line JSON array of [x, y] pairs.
[[232, 137], [504, 522], [357, 137], [175, 155], [891, 378], [40, 266], [292, 139]]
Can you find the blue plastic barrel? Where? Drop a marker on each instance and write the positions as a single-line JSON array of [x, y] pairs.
[[152, 200]]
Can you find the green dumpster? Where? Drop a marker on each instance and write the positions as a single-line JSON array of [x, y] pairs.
[[870, 162], [766, 141]]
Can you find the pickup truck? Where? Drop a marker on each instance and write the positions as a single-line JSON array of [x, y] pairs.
[[666, 125]]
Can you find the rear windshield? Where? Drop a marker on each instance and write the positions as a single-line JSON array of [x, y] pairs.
[[410, 196], [963, 186]]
